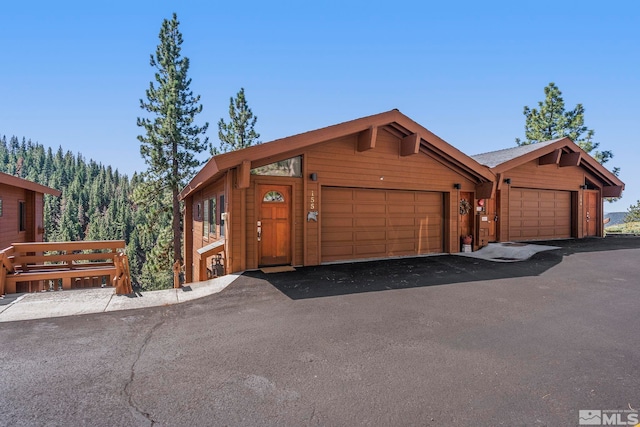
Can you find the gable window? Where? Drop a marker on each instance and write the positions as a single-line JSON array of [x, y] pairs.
[[290, 167], [22, 216]]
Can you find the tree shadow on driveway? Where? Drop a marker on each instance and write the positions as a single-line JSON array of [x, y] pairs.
[[373, 276]]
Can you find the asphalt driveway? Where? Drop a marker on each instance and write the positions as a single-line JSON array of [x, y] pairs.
[[431, 341]]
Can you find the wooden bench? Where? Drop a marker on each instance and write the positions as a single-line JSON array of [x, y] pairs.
[[65, 261]]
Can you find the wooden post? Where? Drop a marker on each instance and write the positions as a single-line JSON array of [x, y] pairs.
[[176, 274], [2, 273]]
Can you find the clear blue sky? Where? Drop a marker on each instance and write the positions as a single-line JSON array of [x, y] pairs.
[[73, 73]]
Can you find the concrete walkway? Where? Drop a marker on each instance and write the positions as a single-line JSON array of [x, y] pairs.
[[42, 305], [508, 251]]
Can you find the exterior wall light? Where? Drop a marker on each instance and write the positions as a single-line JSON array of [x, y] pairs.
[[457, 186], [313, 176], [507, 181]]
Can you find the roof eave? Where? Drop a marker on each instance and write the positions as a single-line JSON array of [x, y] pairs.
[[27, 185], [223, 162]]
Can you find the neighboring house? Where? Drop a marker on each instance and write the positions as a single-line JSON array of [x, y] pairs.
[[376, 187], [21, 210], [383, 186], [548, 190]]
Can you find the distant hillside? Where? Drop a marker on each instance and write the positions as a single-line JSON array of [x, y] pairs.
[[617, 218]]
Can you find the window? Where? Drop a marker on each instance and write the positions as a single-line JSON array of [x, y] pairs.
[[221, 215], [22, 216], [205, 221], [209, 217], [289, 167], [273, 196], [0, 207], [212, 216]]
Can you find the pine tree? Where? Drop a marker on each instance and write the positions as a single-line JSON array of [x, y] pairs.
[[239, 132], [633, 213], [551, 121], [172, 139]]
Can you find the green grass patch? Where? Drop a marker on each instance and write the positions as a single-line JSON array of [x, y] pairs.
[[628, 227]]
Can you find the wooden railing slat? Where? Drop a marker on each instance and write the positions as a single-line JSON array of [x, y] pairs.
[[35, 259], [68, 246]]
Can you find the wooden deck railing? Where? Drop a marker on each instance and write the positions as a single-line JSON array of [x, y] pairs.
[[76, 264]]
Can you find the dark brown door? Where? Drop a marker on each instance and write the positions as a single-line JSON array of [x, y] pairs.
[[591, 213], [492, 215], [274, 224]]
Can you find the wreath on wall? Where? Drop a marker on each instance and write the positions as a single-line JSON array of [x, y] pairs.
[[465, 207]]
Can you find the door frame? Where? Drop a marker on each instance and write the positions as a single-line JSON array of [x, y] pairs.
[[597, 218], [260, 187]]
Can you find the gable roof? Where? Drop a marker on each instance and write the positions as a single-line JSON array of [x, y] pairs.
[[495, 158], [501, 161], [28, 185], [392, 120]]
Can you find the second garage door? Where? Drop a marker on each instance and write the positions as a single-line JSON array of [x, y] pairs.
[[539, 214], [366, 223]]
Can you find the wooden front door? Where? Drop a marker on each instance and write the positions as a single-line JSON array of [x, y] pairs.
[[274, 224], [590, 213]]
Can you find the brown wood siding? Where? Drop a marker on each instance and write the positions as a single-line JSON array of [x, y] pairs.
[[312, 228], [539, 214], [337, 163], [299, 216], [31, 216], [366, 223], [39, 217], [236, 226], [251, 243], [199, 241], [9, 222], [547, 177], [188, 239]]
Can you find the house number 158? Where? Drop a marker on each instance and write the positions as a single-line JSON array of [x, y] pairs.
[[313, 201]]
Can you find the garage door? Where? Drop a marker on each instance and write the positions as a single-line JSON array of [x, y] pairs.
[[539, 214], [362, 223]]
